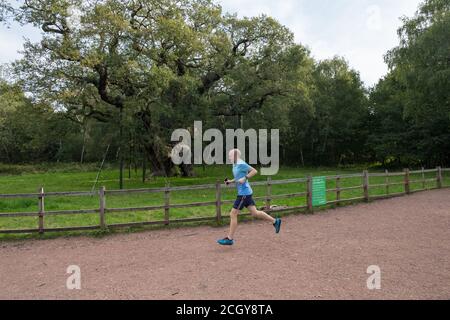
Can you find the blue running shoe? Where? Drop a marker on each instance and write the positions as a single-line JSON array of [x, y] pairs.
[[225, 242], [277, 225]]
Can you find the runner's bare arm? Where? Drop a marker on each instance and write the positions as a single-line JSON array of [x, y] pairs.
[[253, 172], [228, 181]]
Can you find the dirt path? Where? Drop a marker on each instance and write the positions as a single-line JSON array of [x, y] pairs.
[[322, 256]]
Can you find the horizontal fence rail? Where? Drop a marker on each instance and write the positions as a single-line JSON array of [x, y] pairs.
[[218, 202]]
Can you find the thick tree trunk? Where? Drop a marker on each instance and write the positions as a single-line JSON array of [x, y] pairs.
[[160, 164], [187, 170], [157, 153]]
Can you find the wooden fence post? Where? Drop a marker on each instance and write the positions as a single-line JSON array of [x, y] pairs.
[[167, 204], [407, 186], [218, 203], [387, 181], [366, 185], [269, 193], [41, 209], [338, 189], [309, 194], [102, 207], [439, 177]]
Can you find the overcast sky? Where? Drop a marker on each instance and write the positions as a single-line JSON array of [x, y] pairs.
[[359, 30]]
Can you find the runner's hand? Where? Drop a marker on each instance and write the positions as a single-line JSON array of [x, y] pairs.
[[242, 181]]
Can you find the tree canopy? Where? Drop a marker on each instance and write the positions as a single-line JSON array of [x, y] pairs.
[[126, 73], [417, 90]]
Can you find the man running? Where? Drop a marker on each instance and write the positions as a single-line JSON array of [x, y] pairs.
[[242, 172]]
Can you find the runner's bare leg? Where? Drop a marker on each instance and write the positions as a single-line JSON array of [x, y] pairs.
[[261, 214], [233, 223]]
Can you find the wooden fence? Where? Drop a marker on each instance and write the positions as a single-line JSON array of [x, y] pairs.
[[102, 209]]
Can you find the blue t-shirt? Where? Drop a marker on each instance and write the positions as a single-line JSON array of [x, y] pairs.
[[240, 170]]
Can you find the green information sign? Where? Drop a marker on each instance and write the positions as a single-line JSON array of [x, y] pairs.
[[319, 191]]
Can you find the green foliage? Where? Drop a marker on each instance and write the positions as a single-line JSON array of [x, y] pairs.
[[415, 96], [130, 72], [160, 64], [334, 132], [5, 11]]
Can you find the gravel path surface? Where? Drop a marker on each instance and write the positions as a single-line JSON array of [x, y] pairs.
[[321, 256]]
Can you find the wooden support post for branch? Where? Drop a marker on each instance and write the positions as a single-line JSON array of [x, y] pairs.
[[269, 193], [366, 185], [407, 186], [218, 202], [167, 204], [387, 181], [423, 178], [144, 169], [439, 177], [309, 194], [102, 207], [41, 210], [338, 189]]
